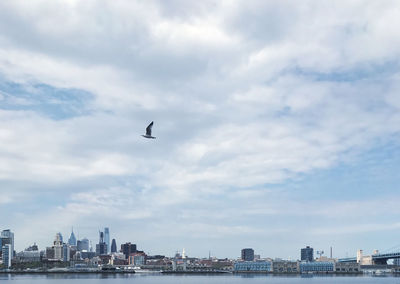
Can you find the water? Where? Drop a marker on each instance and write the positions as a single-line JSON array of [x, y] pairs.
[[194, 279]]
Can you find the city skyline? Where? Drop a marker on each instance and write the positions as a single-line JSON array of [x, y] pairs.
[[248, 254], [277, 125]]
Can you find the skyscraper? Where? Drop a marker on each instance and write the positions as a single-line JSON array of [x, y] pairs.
[[113, 246], [58, 247], [7, 255], [101, 247], [82, 245], [7, 238], [72, 239], [66, 252], [247, 254], [107, 238], [307, 254]]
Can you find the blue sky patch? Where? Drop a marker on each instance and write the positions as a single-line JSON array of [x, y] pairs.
[[56, 103]]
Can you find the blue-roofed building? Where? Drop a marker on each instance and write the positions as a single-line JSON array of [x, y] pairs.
[[254, 266], [317, 266]]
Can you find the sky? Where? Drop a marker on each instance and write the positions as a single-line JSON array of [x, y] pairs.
[[277, 124]]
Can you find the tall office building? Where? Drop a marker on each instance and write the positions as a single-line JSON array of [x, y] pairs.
[[66, 251], [107, 238], [113, 246], [72, 239], [127, 249], [7, 255], [7, 238], [247, 254], [307, 254], [58, 247], [101, 247], [82, 245], [58, 239]]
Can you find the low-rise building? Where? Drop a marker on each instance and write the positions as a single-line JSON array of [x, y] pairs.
[[28, 256], [347, 267], [87, 254], [317, 267], [118, 259], [253, 266], [137, 258], [285, 266]]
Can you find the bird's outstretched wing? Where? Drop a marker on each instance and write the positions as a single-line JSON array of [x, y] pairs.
[[148, 129]]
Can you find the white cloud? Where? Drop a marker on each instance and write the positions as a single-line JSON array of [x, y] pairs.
[[241, 95]]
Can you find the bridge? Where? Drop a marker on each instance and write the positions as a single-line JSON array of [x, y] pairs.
[[378, 258], [382, 258]]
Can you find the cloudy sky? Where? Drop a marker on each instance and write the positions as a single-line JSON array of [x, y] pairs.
[[277, 124]]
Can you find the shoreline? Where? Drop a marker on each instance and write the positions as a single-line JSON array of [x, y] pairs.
[[394, 274], [68, 272]]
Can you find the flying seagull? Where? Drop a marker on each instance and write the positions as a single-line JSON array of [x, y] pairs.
[[148, 131]]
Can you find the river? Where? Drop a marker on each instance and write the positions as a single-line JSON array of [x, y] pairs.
[[193, 279]]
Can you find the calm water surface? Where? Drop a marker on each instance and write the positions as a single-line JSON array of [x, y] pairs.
[[194, 279]]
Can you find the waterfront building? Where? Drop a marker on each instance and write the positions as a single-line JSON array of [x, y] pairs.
[[113, 246], [107, 238], [317, 267], [282, 266], [72, 239], [7, 238], [118, 259], [137, 259], [364, 259], [253, 266], [128, 249], [7, 255], [247, 254], [307, 254], [347, 267]]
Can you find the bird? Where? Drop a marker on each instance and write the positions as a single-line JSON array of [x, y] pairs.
[[148, 131]]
